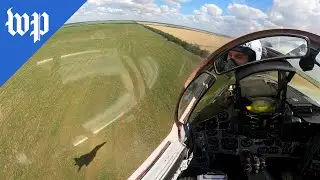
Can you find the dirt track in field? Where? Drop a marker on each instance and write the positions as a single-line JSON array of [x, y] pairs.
[[206, 41]]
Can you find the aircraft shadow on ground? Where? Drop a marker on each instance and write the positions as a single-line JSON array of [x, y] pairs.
[[86, 159]]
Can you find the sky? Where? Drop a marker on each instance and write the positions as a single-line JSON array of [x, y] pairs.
[[228, 17]]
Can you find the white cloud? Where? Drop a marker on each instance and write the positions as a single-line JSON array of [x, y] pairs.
[[211, 17], [167, 10], [127, 5], [98, 2], [245, 12], [209, 10], [176, 2], [127, 10], [109, 10], [212, 9], [269, 25], [243, 19], [235, 26], [164, 8], [298, 14], [207, 13], [114, 10], [120, 1], [238, 20], [143, 1]]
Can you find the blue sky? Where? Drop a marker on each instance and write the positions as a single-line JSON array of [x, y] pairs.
[[189, 6], [230, 17]]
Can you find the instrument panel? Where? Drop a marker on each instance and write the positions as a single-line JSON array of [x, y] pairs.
[[216, 135]]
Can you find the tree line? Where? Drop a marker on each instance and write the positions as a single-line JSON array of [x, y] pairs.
[[191, 47]]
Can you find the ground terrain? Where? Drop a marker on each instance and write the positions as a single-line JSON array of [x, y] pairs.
[[205, 40], [95, 83], [89, 84]]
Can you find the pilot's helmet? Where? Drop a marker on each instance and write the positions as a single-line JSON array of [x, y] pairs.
[[253, 49]]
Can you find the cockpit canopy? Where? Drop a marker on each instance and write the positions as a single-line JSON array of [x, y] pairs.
[[280, 55]]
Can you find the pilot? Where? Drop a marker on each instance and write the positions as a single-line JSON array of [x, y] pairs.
[[243, 54]]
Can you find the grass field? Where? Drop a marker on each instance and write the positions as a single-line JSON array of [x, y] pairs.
[[89, 84]]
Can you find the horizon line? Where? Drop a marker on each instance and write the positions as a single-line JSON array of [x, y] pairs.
[[172, 25]]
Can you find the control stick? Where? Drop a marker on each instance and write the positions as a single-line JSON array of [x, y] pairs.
[[247, 166], [263, 163], [252, 163], [256, 164]]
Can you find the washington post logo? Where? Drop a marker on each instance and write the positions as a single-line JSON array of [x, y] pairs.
[[21, 24]]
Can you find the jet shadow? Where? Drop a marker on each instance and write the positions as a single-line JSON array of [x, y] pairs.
[[86, 159]]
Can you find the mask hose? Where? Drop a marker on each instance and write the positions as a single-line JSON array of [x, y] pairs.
[[231, 63]]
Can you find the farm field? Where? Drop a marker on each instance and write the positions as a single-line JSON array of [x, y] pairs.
[[206, 41], [98, 94]]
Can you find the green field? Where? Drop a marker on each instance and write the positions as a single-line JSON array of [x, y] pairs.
[[89, 84]]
